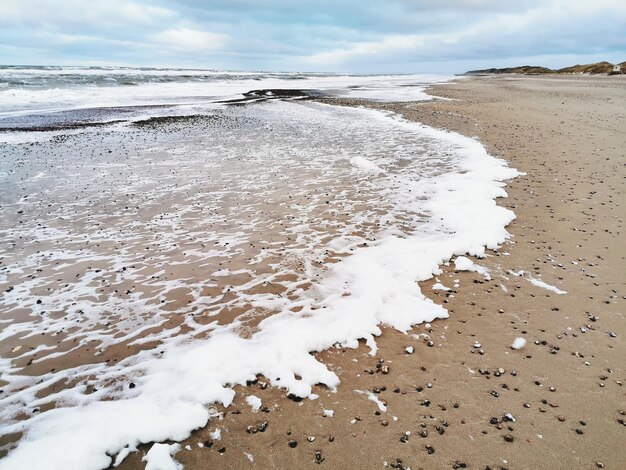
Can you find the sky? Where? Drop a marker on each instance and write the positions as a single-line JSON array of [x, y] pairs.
[[362, 36]]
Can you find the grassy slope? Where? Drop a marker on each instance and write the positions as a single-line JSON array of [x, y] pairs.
[[597, 68]]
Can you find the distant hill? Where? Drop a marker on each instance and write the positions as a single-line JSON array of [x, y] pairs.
[[599, 68]]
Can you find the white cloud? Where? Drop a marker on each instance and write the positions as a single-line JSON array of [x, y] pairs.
[[394, 43], [532, 28], [348, 35], [191, 39], [96, 12]]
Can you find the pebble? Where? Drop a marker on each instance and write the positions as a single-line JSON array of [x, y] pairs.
[[508, 417], [508, 437], [292, 444]]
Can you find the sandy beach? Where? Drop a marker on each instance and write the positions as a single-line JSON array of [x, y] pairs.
[[460, 396]]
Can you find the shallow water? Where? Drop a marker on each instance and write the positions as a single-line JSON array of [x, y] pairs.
[[118, 237]]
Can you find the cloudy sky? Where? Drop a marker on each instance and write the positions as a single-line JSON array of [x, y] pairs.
[[322, 35]]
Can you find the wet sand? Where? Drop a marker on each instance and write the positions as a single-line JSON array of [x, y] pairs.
[[464, 398]]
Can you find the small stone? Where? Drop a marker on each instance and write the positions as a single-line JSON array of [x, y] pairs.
[[508, 437], [599, 464], [430, 449], [508, 417], [311, 438], [292, 444]]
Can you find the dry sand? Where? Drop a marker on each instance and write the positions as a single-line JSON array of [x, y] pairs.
[[563, 389]]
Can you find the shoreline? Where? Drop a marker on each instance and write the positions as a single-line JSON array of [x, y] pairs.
[[428, 407], [566, 413]]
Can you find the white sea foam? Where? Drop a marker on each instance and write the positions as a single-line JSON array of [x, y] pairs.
[[159, 457], [462, 263], [372, 397], [254, 402], [450, 202], [440, 286], [366, 164], [544, 285]]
